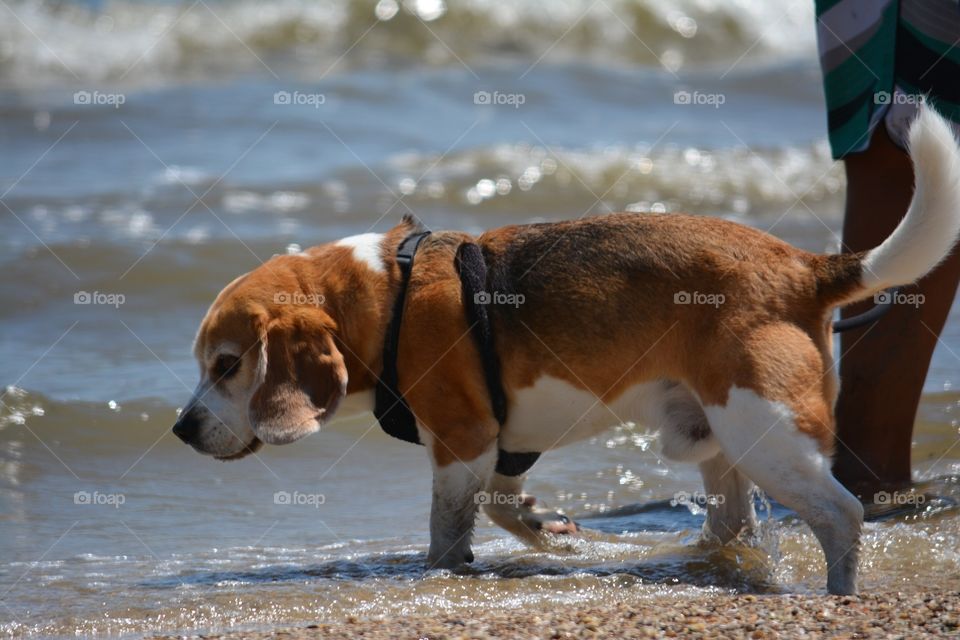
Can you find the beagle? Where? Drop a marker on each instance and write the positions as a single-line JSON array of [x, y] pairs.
[[716, 334]]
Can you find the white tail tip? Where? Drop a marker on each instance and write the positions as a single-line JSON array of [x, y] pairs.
[[928, 232]]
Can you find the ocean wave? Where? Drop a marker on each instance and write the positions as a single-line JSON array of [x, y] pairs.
[[753, 186], [473, 189], [60, 418], [130, 41]]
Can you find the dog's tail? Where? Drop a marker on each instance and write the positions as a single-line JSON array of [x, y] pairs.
[[924, 237]]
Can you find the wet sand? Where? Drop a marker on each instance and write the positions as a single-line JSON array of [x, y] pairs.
[[890, 614]]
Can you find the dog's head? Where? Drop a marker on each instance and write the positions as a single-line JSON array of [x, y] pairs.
[[270, 370]]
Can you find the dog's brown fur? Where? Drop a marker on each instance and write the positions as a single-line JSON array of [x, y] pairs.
[[606, 282]]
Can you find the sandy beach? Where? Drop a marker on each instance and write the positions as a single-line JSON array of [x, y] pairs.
[[892, 614]]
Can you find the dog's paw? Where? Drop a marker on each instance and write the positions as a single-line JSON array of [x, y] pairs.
[[545, 520], [542, 529], [452, 559], [550, 522]]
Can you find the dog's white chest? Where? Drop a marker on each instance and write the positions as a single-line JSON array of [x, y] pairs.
[[553, 413]]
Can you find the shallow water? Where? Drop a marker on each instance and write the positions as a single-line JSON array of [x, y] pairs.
[[109, 526]]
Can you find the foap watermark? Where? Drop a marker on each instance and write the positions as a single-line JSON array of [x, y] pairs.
[[897, 97], [699, 98], [498, 498], [898, 297], [299, 298], [298, 499], [697, 499], [299, 98], [96, 98], [696, 297], [899, 498], [99, 298], [97, 499], [499, 298], [498, 98]]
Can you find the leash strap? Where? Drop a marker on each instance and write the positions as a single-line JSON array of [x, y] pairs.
[[390, 408], [869, 316]]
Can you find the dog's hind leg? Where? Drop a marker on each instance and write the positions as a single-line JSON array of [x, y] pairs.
[[511, 509], [766, 427], [760, 437], [729, 500]]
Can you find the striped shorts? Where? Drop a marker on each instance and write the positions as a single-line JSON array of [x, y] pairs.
[[880, 60]]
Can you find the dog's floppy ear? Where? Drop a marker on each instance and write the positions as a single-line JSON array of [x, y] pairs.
[[303, 376]]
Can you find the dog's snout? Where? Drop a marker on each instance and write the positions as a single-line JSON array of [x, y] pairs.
[[187, 426]]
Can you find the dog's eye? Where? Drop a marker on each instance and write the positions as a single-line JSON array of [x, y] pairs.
[[225, 367]]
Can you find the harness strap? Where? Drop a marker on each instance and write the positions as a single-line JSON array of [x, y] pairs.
[[473, 283], [390, 408], [476, 298]]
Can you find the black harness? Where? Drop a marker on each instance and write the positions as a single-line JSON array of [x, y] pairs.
[[390, 408]]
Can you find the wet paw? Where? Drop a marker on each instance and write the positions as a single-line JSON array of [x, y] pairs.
[[548, 522], [452, 559]]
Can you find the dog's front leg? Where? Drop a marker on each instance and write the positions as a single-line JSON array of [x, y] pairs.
[[510, 508], [456, 486]]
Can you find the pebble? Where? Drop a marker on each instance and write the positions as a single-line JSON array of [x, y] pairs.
[[872, 615]]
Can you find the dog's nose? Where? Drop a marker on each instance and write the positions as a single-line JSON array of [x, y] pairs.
[[187, 426]]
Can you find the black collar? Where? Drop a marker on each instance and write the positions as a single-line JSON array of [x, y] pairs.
[[390, 408]]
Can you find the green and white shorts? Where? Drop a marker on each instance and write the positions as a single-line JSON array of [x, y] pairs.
[[880, 59]]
